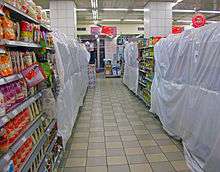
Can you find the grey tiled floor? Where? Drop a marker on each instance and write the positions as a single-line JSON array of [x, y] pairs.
[[115, 133]]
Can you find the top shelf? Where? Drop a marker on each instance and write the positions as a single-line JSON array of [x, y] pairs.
[[23, 16]]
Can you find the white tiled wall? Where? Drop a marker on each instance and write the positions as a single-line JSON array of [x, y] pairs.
[[63, 17], [158, 20]]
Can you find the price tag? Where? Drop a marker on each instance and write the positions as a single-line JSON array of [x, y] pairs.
[[24, 139], [7, 157], [4, 119]]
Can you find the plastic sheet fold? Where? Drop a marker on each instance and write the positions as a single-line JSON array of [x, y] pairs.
[[130, 77], [72, 64], [186, 93]]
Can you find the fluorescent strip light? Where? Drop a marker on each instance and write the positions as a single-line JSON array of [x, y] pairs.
[[211, 12], [183, 11], [189, 21], [81, 9], [141, 9], [212, 21], [133, 20], [184, 21], [111, 19], [115, 9]]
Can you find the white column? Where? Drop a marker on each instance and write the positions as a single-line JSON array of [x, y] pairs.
[[63, 17], [158, 18]]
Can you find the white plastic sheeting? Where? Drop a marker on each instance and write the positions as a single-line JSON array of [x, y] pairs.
[[186, 93], [72, 64], [130, 77]]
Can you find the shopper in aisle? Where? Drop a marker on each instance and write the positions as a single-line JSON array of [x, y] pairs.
[[92, 65], [116, 133]]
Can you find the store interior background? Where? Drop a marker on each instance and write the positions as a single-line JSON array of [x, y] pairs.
[[75, 18]]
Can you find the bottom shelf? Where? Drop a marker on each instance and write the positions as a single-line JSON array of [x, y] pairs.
[[112, 76], [142, 98]]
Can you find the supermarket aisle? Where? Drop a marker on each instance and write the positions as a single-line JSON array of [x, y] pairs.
[[115, 133]]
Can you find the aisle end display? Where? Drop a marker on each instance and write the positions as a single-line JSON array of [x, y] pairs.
[[146, 68]]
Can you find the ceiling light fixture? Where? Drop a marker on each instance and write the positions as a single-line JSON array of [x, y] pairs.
[[81, 9], [112, 20], [211, 12], [133, 20], [183, 11], [115, 9], [189, 21], [140, 9]]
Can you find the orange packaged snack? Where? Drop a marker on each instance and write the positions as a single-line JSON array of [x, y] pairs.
[[1, 29], [5, 65], [8, 28]]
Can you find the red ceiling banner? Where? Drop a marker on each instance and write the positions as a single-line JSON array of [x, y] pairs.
[[110, 31]]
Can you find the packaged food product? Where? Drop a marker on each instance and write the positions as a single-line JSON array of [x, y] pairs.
[[5, 65], [8, 29], [25, 29], [1, 30]]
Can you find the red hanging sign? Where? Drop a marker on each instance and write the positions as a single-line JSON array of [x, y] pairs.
[[177, 29], [198, 20]]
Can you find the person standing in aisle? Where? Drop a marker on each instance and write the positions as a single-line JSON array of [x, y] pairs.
[[92, 67]]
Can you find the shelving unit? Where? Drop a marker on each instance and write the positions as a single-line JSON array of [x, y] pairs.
[[26, 103], [22, 16], [146, 70], [14, 147], [40, 145], [38, 127]]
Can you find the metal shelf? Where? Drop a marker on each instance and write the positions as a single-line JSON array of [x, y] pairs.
[[46, 27], [143, 71], [147, 90], [20, 141], [57, 161], [37, 148], [24, 15], [151, 58], [19, 12], [4, 119], [141, 83], [148, 79], [142, 98], [45, 159], [50, 48], [10, 43], [11, 78]]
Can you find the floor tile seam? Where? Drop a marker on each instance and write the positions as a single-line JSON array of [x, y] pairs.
[[124, 151], [161, 151], [106, 159]]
